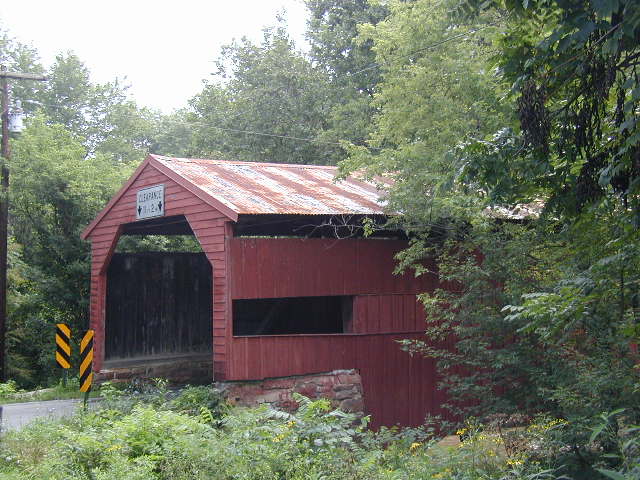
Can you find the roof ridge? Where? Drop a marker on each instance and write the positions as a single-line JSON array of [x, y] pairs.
[[240, 162]]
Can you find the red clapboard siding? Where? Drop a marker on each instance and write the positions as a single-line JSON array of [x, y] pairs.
[[398, 388], [267, 268], [387, 314], [207, 224]]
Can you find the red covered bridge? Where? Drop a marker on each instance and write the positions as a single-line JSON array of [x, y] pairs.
[[277, 291]]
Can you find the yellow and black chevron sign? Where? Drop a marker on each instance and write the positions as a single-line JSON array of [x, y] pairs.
[[86, 361], [63, 345]]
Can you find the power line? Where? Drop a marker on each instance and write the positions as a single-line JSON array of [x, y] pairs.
[[262, 134], [426, 48], [315, 140], [234, 130]]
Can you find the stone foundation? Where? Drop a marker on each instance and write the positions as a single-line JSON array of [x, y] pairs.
[[342, 387]]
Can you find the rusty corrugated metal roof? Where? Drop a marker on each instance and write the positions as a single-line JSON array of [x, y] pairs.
[[273, 188]]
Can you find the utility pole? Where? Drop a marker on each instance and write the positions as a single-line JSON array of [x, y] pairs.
[[4, 207]]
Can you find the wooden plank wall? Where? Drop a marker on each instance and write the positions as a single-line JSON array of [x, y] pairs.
[[209, 227], [158, 303], [398, 388], [295, 267]]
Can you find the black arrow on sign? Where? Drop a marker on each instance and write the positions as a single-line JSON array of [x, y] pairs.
[[139, 210], [160, 206]]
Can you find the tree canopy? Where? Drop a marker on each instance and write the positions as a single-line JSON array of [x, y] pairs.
[[268, 102], [572, 70]]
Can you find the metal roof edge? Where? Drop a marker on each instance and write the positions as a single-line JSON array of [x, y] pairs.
[[254, 164]]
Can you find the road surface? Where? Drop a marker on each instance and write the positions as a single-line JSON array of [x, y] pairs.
[[16, 415]]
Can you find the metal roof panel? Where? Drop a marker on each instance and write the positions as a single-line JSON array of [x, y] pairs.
[[272, 188]]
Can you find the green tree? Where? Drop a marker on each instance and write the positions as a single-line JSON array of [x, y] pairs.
[[16, 56], [101, 115], [56, 191], [268, 104], [332, 32], [350, 63], [573, 67], [512, 286], [174, 134], [437, 92]]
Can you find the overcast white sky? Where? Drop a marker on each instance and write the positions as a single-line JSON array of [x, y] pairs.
[[163, 48]]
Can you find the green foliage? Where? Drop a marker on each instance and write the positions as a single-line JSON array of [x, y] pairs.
[[332, 31], [100, 116], [158, 243], [8, 388], [572, 67], [437, 91], [202, 401], [350, 65], [264, 93], [56, 192], [534, 315], [626, 445], [23, 58], [312, 443], [509, 292], [567, 285]]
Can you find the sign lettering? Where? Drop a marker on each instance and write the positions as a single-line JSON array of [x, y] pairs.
[[150, 202]]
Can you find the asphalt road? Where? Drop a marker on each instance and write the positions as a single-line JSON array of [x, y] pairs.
[[16, 415]]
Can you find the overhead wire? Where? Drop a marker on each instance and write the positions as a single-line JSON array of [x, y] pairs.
[[263, 134], [315, 140], [427, 47], [228, 129]]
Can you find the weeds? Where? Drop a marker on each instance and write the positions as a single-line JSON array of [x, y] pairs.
[[150, 432]]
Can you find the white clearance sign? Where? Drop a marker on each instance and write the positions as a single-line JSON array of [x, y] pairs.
[[150, 202]]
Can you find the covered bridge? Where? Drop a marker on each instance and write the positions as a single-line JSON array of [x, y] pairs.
[[285, 285]]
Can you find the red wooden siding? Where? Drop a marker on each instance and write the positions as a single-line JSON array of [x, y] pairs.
[[398, 388], [209, 227], [269, 268], [387, 314]]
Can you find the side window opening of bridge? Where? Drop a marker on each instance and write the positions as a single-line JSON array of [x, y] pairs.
[[293, 315]]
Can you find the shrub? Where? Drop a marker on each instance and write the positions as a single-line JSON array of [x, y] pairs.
[[147, 441]]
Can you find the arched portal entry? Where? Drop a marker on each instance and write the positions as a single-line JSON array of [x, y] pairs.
[[159, 300]]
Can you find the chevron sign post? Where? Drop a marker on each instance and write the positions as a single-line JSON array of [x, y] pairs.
[[86, 364], [63, 345]]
